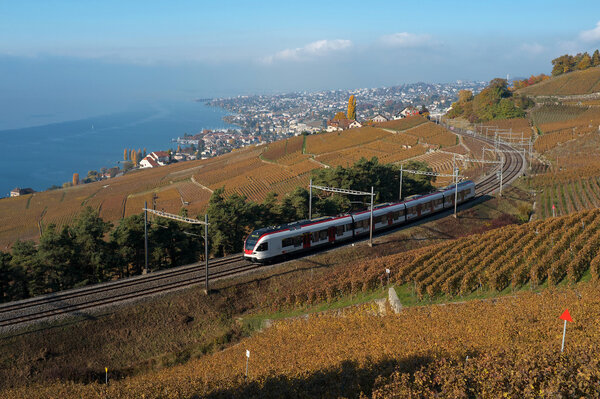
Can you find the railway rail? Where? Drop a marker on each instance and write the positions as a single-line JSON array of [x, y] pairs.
[[78, 301], [82, 300]]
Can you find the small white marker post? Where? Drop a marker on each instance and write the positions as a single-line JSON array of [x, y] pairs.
[[566, 317], [247, 357], [106, 375], [388, 271], [553, 211]]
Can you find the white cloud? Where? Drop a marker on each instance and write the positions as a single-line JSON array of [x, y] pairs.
[[311, 50], [532, 48], [405, 39], [592, 35]]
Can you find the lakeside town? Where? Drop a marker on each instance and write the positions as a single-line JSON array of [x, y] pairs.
[[266, 118], [262, 119]]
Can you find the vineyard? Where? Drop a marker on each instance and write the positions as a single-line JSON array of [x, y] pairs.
[[504, 348], [569, 191], [431, 133], [542, 252], [254, 171], [279, 149], [385, 153], [520, 127], [552, 113], [336, 141], [440, 162], [552, 140], [573, 83], [402, 124]]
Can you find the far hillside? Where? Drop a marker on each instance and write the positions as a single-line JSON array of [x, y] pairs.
[[568, 84], [253, 172]]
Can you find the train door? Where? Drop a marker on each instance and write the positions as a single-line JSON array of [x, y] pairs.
[[331, 234], [419, 208], [306, 240], [390, 217]]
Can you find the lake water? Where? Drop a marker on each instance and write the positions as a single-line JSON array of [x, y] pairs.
[[41, 156]]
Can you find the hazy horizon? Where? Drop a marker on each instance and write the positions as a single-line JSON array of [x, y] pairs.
[[67, 60]]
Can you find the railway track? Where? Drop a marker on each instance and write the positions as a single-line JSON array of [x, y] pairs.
[[82, 300], [512, 167], [78, 301]]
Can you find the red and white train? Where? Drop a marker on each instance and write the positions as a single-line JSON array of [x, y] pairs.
[[275, 243]]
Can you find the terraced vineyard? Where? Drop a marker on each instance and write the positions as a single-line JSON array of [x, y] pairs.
[[552, 113], [279, 149], [336, 141], [512, 347], [440, 163], [402, 124], [573, 83], [584, 122], [520, 127], [508, 258], [255, 171], [543, 251], [431, 133], [569, 191]]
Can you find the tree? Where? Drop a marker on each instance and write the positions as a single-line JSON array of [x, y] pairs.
[[88, 233], [562, 64], [57, 266], [339, 116], [6, 277], [231, 219], [127, 165], [585, 62], [351, 108], [13, 282], [75, 179], [128, 239], [24, 258], [464, 96], [596, 58]]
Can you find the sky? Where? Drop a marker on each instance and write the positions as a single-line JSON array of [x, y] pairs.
[[85, 56]]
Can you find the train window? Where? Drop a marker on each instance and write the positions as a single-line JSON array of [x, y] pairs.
[[263, 247], [396, 215], [339, 230], [323, 235], [315, 236], [287, 242], [297, 241]]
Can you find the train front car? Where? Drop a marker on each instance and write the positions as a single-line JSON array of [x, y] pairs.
[[255, 246]]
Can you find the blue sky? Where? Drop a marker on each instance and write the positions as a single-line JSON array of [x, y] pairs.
[[98, 52]]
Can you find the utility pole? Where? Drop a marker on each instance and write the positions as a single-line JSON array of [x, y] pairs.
[[145, 237], [455, 190], [501, 167], [310, 200], [206, 253], [400, 195], [185, 219], [371, 224]]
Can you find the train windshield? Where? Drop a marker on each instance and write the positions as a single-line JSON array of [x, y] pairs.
[[252, 240]]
